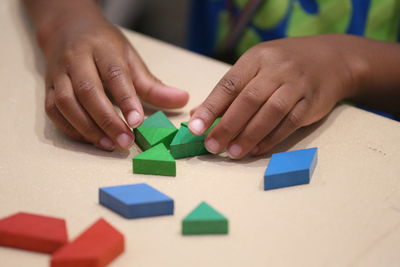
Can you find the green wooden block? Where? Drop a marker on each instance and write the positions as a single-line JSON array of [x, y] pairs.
[[154, 130], [157, 160], [204, 219], [184, 123], [185, 144], [158, 120], [147, 137]]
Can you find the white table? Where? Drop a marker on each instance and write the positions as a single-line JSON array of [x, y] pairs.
[[349, 215]]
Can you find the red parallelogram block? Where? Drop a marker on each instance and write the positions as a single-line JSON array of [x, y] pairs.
[[95, 247], [33, 232]]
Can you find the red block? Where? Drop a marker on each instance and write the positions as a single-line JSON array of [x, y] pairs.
[[95, 247], [33, 232]]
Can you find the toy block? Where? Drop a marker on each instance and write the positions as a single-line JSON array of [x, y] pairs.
[[136, 201], [185, 144], [155, 129], [100, 244], [290, 168], [204, 220], [184, 123], [156, 160], [33, 232], [147, 137], [158, 120]]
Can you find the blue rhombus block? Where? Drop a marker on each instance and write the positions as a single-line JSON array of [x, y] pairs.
[[136, 200], [290, 168]]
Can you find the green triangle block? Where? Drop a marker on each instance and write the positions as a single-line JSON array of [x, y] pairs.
[[158, 120], [184, 123], [157, 160], [204, 219], [185, 144], [147, 137]]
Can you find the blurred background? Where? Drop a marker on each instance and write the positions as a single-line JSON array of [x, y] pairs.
[[161, 19]]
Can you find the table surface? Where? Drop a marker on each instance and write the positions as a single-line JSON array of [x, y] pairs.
[[349, 215]]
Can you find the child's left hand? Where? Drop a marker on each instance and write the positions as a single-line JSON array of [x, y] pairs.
[[275, 88]]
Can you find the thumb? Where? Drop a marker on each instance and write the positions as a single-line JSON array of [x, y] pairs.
[[152, 90]]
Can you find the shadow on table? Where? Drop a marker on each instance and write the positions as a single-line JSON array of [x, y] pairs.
[[298, 140]]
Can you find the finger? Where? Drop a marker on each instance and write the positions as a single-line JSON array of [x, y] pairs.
[[152, 90], [240, 112], [267, 118], [116, 77], [72, 111], [293, 121], [193, 110], [221, 97], [58, 119], [90, 94]]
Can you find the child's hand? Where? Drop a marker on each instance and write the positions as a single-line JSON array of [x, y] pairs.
[[275, 88], [83, 53]]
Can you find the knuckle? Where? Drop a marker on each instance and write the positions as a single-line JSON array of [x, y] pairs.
[[50, 107], [61, 99], [228, 85], [88, 131], [67, 56], [274, 55], [124, 101], [226, 129], [257, 50], [248, 138], [106, 123], [252, 96], [279, 106], [113, 72], [294, 120], [211, 109], [293, 67], [84, 88]]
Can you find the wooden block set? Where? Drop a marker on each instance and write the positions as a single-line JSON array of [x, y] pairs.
[[156, 136], [161, 143]]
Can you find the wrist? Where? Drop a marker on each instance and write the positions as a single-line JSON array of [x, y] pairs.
[[55, 16], [357, 64], [359, 70]]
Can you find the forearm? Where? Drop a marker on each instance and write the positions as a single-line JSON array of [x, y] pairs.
[[48, 16], [377, 71]]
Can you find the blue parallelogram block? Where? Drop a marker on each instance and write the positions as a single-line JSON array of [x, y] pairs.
[[290, 168], [136, 200]]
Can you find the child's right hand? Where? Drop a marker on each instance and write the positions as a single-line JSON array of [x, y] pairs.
[[83, 53]]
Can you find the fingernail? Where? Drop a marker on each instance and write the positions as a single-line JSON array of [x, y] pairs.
[[234, 151], [212, 146], [197, 126], [255, 150], [133, 118], [106, 143], [124, 140]]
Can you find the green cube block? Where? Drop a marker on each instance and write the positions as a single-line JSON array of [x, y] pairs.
[[156, 160], [204, 220], [185, 144]]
